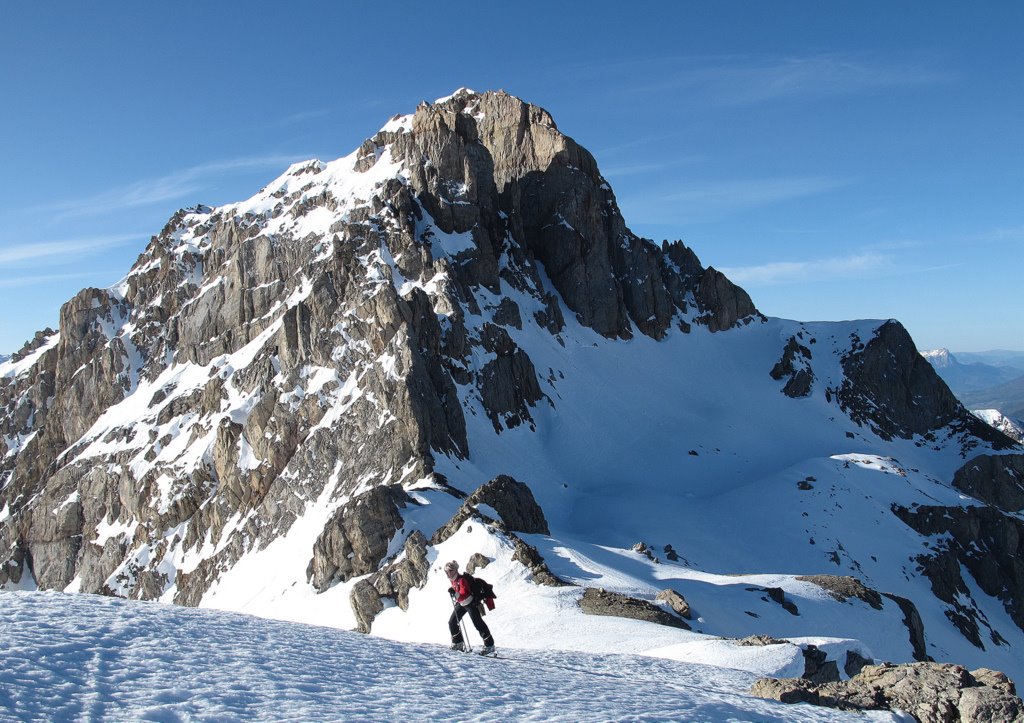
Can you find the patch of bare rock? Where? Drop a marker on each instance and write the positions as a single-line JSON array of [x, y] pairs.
[[597, 601], [930, 692]]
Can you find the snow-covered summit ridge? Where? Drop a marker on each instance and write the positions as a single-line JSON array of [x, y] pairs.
[[457, 94], [939, 357]]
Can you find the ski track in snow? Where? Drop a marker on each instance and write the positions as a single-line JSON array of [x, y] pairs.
[[83, 657]]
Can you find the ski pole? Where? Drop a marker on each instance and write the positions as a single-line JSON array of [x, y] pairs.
[[462, 623]]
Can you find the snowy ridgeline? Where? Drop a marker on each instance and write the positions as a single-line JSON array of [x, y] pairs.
[[83, 657]]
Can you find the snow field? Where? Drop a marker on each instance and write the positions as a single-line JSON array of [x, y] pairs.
[[72, 657]]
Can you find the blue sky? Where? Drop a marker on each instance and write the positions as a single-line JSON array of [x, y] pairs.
[[838, 160]]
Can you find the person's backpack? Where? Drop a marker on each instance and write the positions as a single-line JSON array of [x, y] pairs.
[[482, 591]]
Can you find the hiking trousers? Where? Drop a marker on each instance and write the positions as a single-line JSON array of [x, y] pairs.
[[473, 609]]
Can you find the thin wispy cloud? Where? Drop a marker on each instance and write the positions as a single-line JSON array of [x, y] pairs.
[[37, 279], [302, 116], [748, 79], [1004, 234], [46, 250], [624, 168], [633, 170], [176, 185], [745, 193], [643, 141], [788, 272], [700, 202]]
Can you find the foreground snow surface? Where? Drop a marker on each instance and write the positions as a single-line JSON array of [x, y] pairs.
[[82, 657]]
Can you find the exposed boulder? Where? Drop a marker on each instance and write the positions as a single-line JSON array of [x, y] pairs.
[[518, 511], [596, 601], [855, 663], [644, 549], [817, 667], [477, 562], [778, 595], [514, 503], [675, 601], [407, 572], [366, 603], [931, 692]]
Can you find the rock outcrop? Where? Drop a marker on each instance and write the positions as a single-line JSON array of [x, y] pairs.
[[843, 587], [995, 479], [931, 692], [316, 340], [513, 502], [597, 601], [676, 601], [987, 543], [409, 570], [794, 366], [356, 539], [891, 388]]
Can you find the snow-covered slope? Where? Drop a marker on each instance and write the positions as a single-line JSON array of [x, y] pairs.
[[284, 403], [994, 418], [70, 657]]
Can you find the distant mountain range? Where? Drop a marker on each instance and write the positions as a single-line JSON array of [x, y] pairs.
[[971, 376], [995, 357], [1007, 398], [994, 381]]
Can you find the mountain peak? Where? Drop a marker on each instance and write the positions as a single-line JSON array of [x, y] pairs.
[[294, 396], [460, 93], [939, 358]]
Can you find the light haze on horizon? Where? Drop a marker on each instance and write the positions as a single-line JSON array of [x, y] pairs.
[[838, 161]]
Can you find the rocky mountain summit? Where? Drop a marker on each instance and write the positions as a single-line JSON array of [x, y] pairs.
[[449, 342]]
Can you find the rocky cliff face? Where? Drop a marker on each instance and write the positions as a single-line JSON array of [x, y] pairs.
[[281, 335], [301, 368]]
